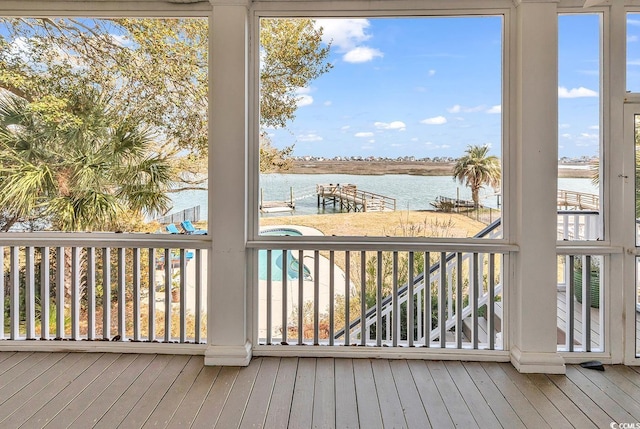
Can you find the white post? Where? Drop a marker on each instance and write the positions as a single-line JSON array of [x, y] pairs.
[[533, 315], [227, 333]]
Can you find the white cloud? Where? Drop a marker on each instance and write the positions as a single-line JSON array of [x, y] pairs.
[[438, 120], [303, 98], [348, 36], [345, 127], [456, 108], [594, 127], [564, 126], [576, 92], [364, 134], [311, 137], [495, 109], [432, 72], [395, 125], [633, 62], [344, 34], [372, 141], [588, 136], [327, 103], [361, 54], [632, 39], [566, 136], [633, 22]]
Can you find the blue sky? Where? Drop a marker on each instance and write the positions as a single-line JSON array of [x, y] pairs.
[[430, 87]]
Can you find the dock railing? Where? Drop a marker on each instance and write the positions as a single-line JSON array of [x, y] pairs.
[[350, 198]]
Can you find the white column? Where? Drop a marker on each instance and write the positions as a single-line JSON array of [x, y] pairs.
[[227, 333], [533, 334]]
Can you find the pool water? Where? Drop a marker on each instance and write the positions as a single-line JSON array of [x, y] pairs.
[[293, 266]]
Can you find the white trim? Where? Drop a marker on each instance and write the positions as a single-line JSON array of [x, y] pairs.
[[356, 352], [535, 362], [102, 347], [99, 239], [228, 355]]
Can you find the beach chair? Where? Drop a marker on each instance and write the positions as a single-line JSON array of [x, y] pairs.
[[172, 229], [188, 227]]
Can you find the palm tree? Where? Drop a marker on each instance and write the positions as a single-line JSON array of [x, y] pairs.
[[476, 169], [77, 164]]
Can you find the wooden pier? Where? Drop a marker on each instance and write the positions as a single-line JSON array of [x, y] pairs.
[[577, 200], [277, 206], [351, 199]]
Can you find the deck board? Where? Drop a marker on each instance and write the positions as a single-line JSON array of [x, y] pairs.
[[55, 390], [414, 412], [324, 397], [430, 396], [282, 397]]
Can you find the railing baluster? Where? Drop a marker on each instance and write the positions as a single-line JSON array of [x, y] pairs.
[[152, 294], [269, 297], [459, 300], [491, 324], [285, 281], [347, 297], [167, 294], [316, 297], [136, 293], [198, 309], [91, 293], [121, 294], [410, 298], [443, 300], [106, 293], [427, 325], [45, 291], [363, 298], [379, 300], [30, 293], [60, 286], [14, 309], [75, 293], [586, 303], [285, 270], [474, 300], [570, 305], [332, 297], [183, 296], [395, 312]]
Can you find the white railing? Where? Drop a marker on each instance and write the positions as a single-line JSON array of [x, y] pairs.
[[97, 287], [579, 225], [360, 296], [580, 303]]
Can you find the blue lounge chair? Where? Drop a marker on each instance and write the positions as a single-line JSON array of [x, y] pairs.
[[188, 227], [172, 229]]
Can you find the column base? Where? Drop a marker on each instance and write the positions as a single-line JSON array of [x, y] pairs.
[[536, 362], [228, 355]]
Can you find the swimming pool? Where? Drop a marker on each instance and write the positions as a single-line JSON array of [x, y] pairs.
[[277, 259]]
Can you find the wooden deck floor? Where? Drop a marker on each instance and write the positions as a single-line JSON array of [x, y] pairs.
[[82, 390]]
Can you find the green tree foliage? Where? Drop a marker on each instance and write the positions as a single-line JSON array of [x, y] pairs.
[[80, 170], [154, 70], [476, 169]]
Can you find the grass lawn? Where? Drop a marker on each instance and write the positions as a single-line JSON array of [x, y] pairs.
[[381, 224]]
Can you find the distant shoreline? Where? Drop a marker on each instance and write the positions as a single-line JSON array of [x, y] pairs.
[[416, 168]]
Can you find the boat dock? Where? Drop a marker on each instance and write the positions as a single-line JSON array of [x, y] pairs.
[[351, 199], [448, 204], [277, 206], [577, 200]]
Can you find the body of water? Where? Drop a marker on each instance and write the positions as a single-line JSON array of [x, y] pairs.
[[410, 192]]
